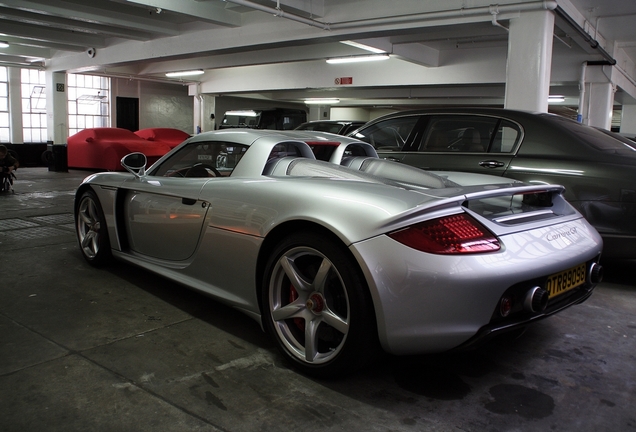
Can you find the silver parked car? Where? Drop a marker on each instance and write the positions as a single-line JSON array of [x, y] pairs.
[[338, 261], [597, 168]]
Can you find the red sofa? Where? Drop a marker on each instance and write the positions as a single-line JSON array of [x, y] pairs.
[[103, 148], [169, 136]]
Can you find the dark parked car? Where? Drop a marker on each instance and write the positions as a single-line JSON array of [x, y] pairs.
[[339, 127], [598, 168], [265, 118]]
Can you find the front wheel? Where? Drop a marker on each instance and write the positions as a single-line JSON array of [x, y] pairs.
[[317, 306], [92, 234]]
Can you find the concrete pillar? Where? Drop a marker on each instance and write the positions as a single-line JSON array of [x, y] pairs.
[[208, 119], [319, 112], [204, 110], [628, 119], [56, 107], [15, 106], [601, 105], [529, 61]]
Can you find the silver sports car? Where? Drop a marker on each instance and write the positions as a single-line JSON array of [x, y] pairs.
[[339, 257]]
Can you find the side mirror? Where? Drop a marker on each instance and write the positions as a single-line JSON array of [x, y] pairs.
[[135, 163]]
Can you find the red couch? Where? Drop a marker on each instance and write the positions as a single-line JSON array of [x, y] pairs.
[[169, 136], [103, 148]]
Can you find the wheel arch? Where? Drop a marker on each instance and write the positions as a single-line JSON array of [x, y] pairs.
[[78, 194], [290, 227]]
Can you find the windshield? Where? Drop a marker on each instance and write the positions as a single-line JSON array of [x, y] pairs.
[[202, 159]]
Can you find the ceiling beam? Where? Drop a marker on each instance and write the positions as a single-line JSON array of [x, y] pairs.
[[24, 51], [91, 14], [51, 21], [309, 9], [42, 34], [203, 11]]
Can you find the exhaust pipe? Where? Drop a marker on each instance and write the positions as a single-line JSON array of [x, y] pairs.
[[536, 300], [595, 273]]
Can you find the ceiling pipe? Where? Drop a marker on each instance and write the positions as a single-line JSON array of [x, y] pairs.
[[277, 11], [486, 11], [585, 35], [494, 11]]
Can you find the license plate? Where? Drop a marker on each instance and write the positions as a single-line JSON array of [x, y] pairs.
[[565, 281]]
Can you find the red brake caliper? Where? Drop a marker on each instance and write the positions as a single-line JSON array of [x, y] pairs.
[[293, 295]]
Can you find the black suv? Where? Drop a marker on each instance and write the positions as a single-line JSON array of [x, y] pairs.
[[266, 118]]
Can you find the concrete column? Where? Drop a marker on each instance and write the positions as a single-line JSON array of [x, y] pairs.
[[208, 121], [319, 112], [56, 107], [600, 105], [15, 106], [204, 110], [628, 119], [529, 61], [204, 115], [197, 111]]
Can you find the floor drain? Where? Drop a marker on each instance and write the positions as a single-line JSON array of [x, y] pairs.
[[33, 233], [9, 224], [58, 219]]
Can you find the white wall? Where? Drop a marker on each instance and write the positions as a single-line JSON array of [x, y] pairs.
[[160, 105]]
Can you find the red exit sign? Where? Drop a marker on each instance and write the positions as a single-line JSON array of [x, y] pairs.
[[343, 80]]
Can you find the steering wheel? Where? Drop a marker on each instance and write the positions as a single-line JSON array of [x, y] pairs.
[[201, 170]]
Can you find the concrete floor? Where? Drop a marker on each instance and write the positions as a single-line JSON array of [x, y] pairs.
[[119, 349]]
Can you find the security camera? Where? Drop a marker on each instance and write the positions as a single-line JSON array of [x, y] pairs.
[[91, 52]]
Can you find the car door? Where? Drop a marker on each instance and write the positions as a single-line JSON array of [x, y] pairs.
[[460, 142], [164, 217]]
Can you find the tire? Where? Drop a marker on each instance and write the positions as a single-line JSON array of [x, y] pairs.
[[92, 233], [317, 306]]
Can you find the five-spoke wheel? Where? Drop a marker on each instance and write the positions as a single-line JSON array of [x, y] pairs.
[[91, 229], [317, 305]]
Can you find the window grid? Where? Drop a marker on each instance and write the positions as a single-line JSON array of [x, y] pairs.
[[88, 104], [4, 105], [33, 88]]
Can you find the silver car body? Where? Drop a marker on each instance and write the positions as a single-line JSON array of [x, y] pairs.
[[209, 234]]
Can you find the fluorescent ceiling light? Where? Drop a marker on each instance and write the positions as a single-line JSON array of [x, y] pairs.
[[242, 113], [556, 98], [363, 46], [184, 73], [4, 44], [330, 101], [355, 59]]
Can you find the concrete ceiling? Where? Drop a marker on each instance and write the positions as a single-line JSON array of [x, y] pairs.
[[450, 52]]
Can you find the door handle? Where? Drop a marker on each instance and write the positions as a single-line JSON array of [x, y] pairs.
[[491, 164], [392, 159], [188, 201]]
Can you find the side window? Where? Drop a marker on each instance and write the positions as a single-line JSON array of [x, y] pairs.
[[202, 159], [469, 134], [389, 134], [506, 138]]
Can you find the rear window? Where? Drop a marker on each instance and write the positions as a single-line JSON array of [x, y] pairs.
[[596, 138], [333, 128]]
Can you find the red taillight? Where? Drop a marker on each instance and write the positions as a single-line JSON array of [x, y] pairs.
[[456, 234]]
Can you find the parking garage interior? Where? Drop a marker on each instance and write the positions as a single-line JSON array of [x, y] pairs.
[[122, 349]]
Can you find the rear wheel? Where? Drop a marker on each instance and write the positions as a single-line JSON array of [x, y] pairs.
[[92, 234], [317, 306]]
